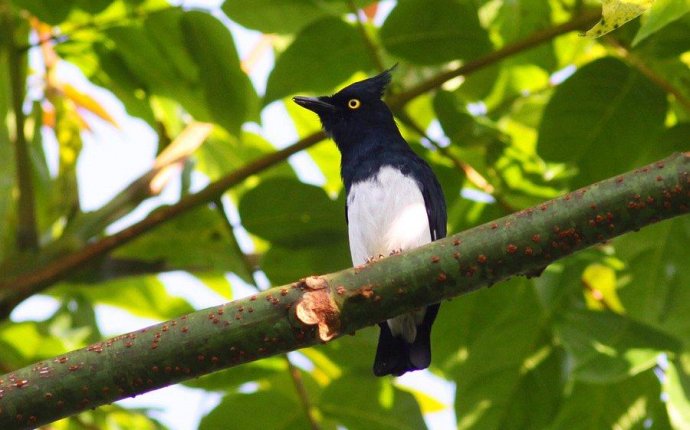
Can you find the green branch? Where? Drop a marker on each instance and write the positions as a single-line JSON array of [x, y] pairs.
[[27, 233], [20, 287], [321, 308]]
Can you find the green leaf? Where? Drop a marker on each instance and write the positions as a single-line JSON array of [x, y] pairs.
[[243, 411], [197, 241], [362, 401], [658, 275], [274, 16], [144, 296], [495, 345], [232, 378], [310, 64], [436, 31], [292, 214], [634, 403], [605, 118], [607, 347], [662, 13], [228, 92], [285, 264]]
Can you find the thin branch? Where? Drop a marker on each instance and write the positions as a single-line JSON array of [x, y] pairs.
[[579, 22], [293, 371], [296, 376], [639, 64], [27, 230], [18, 288], [466, 169], [368, 43]]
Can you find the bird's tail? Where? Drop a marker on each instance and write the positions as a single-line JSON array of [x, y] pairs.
[[394, 356]]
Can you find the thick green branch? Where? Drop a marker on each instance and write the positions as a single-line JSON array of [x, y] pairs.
[[321, 308], [16, 289]]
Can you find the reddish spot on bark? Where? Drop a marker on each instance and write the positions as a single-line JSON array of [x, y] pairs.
[[165, 327], [441, 277], [536, 238], [598, 219], [200, 357], [73, 368], [593, 207], [494, 226], [435, 258], [250, 309], [481, 259], [340, 290], [619, 180], [106, 390], [214, 359], [221, 311], [21, 383], [48, 396], [184, 329], [660, 165], [456, 242], [283, 292], [253, 298], [511, 248], [456, 255], [528, 251], [61, 360]]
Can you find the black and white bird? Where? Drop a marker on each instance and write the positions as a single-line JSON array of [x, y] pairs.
[[394, 203]]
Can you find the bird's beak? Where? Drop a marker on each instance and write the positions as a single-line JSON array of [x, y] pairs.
[[314, 104]]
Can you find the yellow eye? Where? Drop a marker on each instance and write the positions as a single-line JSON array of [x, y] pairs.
[[354, 104]]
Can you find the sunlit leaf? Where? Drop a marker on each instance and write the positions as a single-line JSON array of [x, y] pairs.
[[615, 13], [431, 32], [608, 347], [310, 64], [596, 117], [600, 288]]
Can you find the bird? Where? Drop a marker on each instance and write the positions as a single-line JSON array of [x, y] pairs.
[[394, 202]]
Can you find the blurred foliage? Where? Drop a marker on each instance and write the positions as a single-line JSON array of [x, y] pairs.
[[600, 340]]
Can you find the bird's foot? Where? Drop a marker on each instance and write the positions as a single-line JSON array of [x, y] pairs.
[[373, 258], [396, 251]]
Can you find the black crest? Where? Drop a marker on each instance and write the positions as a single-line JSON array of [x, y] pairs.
[[373, 87]]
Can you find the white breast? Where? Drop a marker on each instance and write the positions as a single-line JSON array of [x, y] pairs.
[[386, 214]]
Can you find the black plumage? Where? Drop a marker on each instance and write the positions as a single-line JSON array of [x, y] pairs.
[[386, 184]]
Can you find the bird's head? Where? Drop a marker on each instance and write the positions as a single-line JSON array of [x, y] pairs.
[[355, 111]]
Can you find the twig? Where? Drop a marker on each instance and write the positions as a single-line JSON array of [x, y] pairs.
[[529, 42], [371, 47], [293, 371], [296, 376], [636, 62]]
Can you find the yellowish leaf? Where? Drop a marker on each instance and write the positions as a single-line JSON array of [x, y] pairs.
[[85, 101], [615, 13], [600, 288]]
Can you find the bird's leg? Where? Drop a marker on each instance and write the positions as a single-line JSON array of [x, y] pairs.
[[396, 251]]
